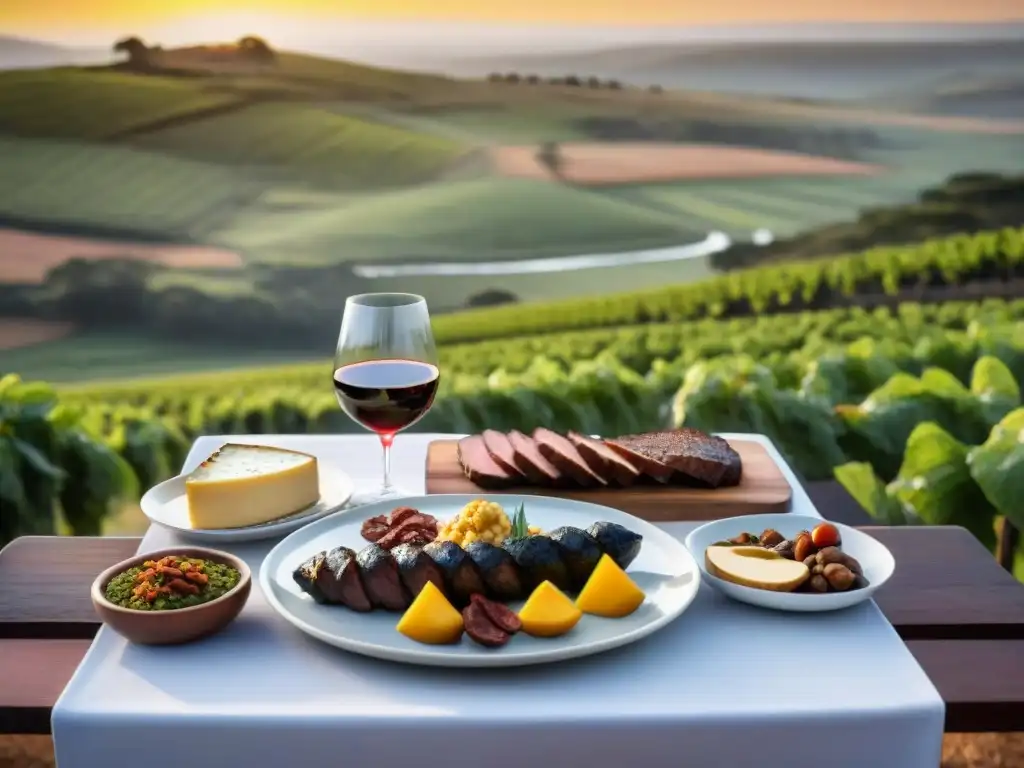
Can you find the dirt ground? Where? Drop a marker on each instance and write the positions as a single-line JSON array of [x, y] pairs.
[[24, 332], [638, 162], [986, 750], [26, 257]]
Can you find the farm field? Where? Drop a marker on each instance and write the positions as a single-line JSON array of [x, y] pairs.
[[475, 220], [265, 172], [616, 163], [122, 355], [26, 332], [581, 329], [108, 190], [112, 189], [81, 104], [26, 257], [317, 162], [311, 145]]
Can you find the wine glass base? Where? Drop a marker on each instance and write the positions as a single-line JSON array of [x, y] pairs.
[[374, 495]]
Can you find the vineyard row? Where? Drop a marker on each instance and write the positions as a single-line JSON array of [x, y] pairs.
[[996, 256], [638, 348], [600, 395], [823, 405]]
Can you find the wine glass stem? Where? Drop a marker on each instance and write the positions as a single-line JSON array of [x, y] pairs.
[[386, 441]]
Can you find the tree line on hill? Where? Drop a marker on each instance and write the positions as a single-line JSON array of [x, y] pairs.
[[571, 81], [141, 57]]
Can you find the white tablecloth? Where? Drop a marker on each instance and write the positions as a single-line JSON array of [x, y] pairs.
[[725, 686]]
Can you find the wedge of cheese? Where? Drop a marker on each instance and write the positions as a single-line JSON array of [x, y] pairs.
[[243, 485]]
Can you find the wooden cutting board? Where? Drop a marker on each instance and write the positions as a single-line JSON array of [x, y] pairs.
[[762, 489]]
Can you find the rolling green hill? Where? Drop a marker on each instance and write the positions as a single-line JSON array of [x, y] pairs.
[[86, 104], [457, 221], [305, 164], [115, 190], [308, 144]]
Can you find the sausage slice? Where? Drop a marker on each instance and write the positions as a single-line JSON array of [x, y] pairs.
[[481, 629]]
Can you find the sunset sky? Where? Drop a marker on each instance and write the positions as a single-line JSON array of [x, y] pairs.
[[32, 15]]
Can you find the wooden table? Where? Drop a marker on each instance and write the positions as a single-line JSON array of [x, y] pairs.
[[961, 615]]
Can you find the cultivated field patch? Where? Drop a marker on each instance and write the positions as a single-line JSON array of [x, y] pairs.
[[26, 257], [26, 332], [640, 162]]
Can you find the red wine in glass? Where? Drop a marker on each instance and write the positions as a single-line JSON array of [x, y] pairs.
[[386, 396], [385, 370]]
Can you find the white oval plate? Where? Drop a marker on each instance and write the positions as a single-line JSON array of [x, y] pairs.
[[166, 505], [664, 570], [874, 557]]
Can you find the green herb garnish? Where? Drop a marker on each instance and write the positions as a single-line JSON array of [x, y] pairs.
[[520, 528]]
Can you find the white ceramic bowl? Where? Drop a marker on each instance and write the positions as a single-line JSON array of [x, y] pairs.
[[874, 557]]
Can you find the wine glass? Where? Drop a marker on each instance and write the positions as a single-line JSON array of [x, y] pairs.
[[385, 369]]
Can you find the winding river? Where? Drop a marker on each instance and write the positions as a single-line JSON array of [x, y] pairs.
[[715, 242]]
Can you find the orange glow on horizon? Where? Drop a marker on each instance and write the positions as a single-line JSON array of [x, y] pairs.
[[39, 14]]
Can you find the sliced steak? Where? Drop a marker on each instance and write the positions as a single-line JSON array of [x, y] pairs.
[[375, 528], [559, 451], [415, 529], [531, 462], [604, 461], [631, 448], [404, 525], [734, 468], [416, 568], [341, 581], [381, 579], [500, 448], [692, 453], [478, 465], [399, 515]]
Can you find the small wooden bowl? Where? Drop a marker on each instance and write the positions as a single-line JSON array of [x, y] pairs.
[[181, 625]]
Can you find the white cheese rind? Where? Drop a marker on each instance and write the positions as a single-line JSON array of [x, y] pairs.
[[245, 485]]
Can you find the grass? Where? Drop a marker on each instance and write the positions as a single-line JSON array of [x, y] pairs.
[[72, 184], [214, 285], [378, 83], [93, 356], [500, 125], [304, 170], [309, 144], [784, 206], [91, 104], [458, 221]]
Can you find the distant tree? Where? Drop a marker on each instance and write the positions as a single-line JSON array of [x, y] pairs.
[[256, 49], [550, 156], [533, 79], [556, 80], [614, 85], [573, 81], [655, 89], [99, 292], [593, 82], [495, 77], [135, 49], [512, 77]]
